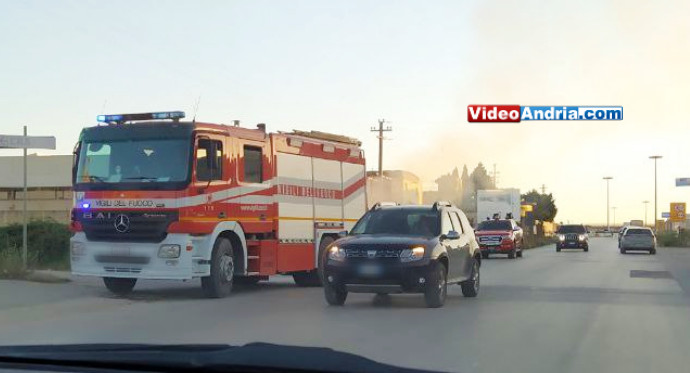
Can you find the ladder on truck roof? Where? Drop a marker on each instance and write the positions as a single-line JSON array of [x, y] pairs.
[[325, 136]]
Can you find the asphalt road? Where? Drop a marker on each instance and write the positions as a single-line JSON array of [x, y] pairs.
[[547, 312]]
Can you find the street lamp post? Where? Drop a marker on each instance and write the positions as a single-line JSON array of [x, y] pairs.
[[645, 212], [655, 158], [607, 178], [614, 215]]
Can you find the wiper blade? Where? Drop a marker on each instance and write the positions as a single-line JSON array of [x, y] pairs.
[[140, 178]]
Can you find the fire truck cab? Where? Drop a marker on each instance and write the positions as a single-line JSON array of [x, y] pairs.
[[156, 197]]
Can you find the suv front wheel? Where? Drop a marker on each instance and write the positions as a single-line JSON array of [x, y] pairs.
[[436, 286]]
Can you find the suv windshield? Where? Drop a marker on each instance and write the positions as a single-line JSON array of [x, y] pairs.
[[133, 161], [399, 221], [572, 229], [494, 225]]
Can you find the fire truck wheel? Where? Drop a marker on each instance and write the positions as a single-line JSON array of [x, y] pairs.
[[119, 286], [314, 278], [219, 283]]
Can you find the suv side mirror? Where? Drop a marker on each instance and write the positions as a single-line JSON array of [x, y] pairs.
[[516, 228], [342, 234], [451, 235]]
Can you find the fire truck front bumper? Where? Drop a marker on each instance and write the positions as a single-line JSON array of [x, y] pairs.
[[171, 259]]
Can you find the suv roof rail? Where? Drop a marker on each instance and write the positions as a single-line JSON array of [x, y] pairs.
[[378, 205], [438, 204]]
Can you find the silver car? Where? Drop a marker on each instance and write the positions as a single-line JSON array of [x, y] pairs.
[[638, 238]]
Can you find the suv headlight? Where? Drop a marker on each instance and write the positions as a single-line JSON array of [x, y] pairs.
[[77, 249], [169, 251], [336, 253], [561, 237], [581, 237], [410, 255]]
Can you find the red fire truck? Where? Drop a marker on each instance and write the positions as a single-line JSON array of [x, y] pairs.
[[156, 197]]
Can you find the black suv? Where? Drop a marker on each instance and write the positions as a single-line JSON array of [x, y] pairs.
[[404, 249], [572, 237]]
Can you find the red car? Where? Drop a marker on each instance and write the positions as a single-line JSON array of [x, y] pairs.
[[500, 236]]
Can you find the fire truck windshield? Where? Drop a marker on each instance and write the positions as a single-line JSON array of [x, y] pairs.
[[108, 164]]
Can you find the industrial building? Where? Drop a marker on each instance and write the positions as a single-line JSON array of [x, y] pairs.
[[49, 188]]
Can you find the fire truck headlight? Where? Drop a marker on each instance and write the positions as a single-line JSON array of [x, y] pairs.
[[77, 249], [336, 253], [169, 251]]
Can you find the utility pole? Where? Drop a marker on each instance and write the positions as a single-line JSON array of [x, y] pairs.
[[543, 189], [645, 212], [614, 215], [24, 230], [381, 130], [607, 178], [655, 158]]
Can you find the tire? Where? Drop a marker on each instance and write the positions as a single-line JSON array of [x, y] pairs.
[[119, 286], [519, 253], [314, 278], [219, 283], [436, 286], [652, 252], [334, 297], [511, 254], [558, 249], [622, 250], [586, 248], [485, 255], [307, 279], [470, 288], [245, 280]]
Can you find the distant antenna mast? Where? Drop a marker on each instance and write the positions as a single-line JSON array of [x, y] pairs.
[[494, 176], [103, 107], [196, 108]]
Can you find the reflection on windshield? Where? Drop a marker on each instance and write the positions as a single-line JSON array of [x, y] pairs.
[[133, 161], [399, 222]]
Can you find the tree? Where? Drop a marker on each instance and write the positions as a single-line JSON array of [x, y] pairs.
[[481, 178], [544, 207]]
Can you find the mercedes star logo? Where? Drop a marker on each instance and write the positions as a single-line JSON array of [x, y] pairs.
[[121, 223]]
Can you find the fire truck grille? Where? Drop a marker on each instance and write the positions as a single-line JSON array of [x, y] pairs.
[[126, 226]]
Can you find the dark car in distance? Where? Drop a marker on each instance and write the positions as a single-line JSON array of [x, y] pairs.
[[572, 236], [404, 249]]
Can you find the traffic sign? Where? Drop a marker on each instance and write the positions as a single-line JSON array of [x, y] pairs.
[[665, 215], [27, 142], [682, 181], [677, 211]]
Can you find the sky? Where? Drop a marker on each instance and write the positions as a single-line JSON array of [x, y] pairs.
[[339, 66]]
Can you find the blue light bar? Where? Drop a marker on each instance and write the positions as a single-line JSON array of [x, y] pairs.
[[119, 118]]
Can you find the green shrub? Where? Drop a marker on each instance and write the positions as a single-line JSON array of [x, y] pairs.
[[47, 246], [531, 241], [674, 239]]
